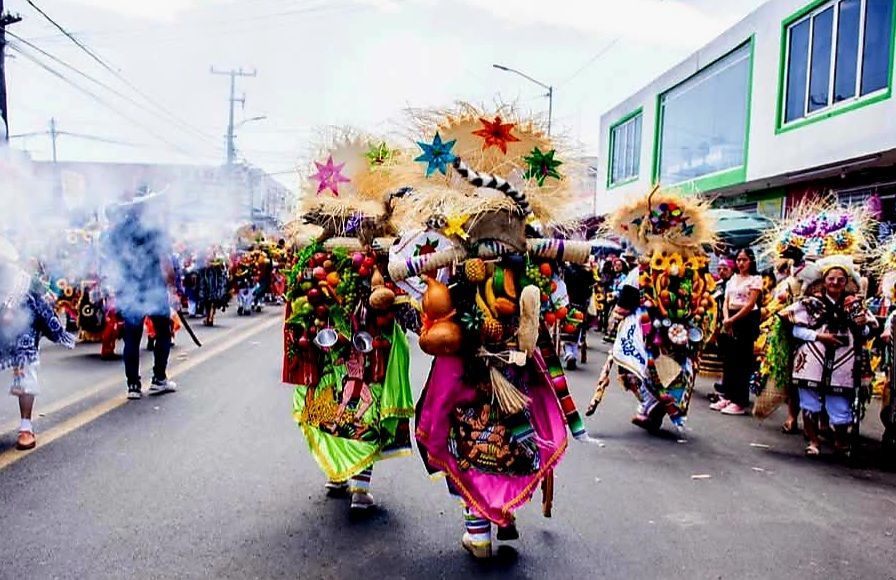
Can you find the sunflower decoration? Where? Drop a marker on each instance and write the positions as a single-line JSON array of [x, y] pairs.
[[659, 261], [674, 283], [676, 264], [821, 228]]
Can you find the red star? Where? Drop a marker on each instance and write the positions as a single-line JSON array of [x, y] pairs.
[[496, 133]]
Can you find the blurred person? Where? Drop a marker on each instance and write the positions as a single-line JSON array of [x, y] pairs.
[[740, 325], [620, 275], [24, 318], [579, 283], [139, 270]]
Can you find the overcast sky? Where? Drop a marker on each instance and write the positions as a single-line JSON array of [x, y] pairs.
[[329, 62]]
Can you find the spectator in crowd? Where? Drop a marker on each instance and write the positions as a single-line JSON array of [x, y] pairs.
[[740, 325]]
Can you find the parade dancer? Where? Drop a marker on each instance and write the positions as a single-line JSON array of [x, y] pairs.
[[667, 307], [138, 267], [494, 413], [345, 351], [24, 318]]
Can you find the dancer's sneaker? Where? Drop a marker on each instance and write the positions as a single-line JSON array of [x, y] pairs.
[[336, 488], [479, 550], [720, 404], [733, 409], [159, 386], [508, 532], [135, 392], [362, 501]]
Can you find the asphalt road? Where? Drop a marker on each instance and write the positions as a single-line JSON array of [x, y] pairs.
[[215, 481]]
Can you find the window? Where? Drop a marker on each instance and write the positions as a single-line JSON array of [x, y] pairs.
[[625, 148], [703, 121], [836, 52]]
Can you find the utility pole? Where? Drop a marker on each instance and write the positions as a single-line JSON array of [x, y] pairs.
[[53, 135], [231, 147], [5, 20]]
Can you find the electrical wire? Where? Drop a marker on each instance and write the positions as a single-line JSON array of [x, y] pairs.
[[119, 76], [99, 100], [81, 73]]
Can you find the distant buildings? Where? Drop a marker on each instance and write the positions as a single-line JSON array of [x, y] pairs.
[[198, 193]]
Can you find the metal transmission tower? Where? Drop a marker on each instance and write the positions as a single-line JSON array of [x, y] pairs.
[[5, 20], [231, 147]]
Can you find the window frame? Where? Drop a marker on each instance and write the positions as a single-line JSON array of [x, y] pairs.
[[612, 142], [724, 177], [808, 13]]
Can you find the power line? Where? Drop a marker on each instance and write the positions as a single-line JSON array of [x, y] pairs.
[[118, 74], [99, 100], [81, 73], [591, 61]]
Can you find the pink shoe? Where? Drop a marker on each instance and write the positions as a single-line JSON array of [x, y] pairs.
[[734, 409], [720, 404]]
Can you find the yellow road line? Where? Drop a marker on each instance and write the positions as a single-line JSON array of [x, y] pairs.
[[13, 455]]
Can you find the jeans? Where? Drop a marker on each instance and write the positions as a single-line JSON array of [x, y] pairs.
[[133, 335]]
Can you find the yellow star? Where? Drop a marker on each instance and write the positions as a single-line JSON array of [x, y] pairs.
[[455, 226]]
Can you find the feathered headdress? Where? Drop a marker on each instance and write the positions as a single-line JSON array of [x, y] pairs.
[[348, 188], [473, 166], [664, 222], [821, 228]]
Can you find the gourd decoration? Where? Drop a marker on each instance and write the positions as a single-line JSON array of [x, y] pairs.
[[440, 334]]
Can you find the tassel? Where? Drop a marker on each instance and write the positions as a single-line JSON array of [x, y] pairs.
[[510, 399]]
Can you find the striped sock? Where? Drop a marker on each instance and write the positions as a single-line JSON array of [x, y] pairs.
[[479, 529], [360, 483]]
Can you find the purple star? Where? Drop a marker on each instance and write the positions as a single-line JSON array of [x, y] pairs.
[[329, 176]]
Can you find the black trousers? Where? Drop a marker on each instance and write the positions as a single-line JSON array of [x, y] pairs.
[[738, 360], [133, 335]]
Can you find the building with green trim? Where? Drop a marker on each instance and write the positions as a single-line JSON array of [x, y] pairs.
[[795, 100]]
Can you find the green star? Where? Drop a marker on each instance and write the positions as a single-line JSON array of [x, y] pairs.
[[542, 165], [379, 154]]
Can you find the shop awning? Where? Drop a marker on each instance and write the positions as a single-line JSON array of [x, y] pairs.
[[738, 228]]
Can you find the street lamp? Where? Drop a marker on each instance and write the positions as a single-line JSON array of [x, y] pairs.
[[250, 119], [550, 89]]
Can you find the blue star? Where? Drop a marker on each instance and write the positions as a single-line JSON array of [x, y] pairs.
[[436, 155]]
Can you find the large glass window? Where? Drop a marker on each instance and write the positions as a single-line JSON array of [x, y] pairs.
[[625, 149], [798, 65], [877, 46], [704, 121], [837, 53]]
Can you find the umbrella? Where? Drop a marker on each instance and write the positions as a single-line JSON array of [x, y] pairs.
[[739, 228], [605, 245]]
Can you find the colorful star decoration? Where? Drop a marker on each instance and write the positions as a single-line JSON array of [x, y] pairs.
[[495, 133], [455, 226], [379, 154], [437, 155], [329, 176], [427, 247], [542, 165]]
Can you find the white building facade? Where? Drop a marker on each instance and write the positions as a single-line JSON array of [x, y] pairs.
[[795, 100]]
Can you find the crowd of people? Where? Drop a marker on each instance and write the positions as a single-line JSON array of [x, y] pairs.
[[501, 299], [119, 281]]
